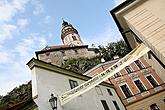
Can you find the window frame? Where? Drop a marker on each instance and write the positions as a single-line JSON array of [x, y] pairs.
[[116, 105], [74, 37], [123, 91], [130, 69], [141, 64], [98, 90], [164, 100], [154, 105], [154, 80], [73, 83], [109, 92], [116, 76], [105, 105], [76, 51], [63, 53], [142, 85]]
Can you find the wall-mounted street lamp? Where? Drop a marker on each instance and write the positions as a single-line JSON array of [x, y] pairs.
[[53, 102]]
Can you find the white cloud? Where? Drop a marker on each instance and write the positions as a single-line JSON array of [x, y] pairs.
[[22, 51], [22, 23], [30, 44], [7, 31], [18, 56], [117, 2], [10, 9], [4, 57], [9, 83], [39, 8], [109, 34], [14, 78], [47, 19]]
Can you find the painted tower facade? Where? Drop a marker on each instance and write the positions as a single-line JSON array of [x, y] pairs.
[[69, 35]]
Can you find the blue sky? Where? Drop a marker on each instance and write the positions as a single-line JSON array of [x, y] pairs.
[[27, 26]]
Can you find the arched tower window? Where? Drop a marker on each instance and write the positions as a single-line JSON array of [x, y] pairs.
[[74, 37]]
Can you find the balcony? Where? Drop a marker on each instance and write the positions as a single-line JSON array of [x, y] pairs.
[[145, 93], [158, 88], [131, 99]]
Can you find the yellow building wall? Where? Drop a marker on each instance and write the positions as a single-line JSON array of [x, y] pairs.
[[145, 103], [147, 21]]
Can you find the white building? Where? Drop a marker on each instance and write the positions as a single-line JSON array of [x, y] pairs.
[[48, 78]]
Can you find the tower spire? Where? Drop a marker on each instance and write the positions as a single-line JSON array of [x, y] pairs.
[[64, 23]]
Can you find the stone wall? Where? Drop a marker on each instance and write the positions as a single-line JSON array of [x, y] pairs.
[[60, 56]]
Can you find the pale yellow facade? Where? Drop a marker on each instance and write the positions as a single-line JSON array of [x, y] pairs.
[[146, 103], [145, 20]]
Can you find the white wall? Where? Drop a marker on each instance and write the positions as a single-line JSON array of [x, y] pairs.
[[48, 82]]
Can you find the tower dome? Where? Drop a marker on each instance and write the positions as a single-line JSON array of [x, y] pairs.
[[69, 35]]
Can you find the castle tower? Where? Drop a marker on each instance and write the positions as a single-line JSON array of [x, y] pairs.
[[69, 35]]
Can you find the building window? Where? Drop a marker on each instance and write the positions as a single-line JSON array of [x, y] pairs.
[[76, 52], [164, 100], [109, 92], [149, 55], [104, 103], [73, 84], [47, 53], [63, 52], [152, 81], [74, 37], [154, 107], [128, 69], [116, 106], [140, 85], [139, 64], [98, 90], [126, 91], [117, 75]]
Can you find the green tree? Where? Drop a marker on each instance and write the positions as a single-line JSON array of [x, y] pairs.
[[18, 94], [80, 65], [118, 48]]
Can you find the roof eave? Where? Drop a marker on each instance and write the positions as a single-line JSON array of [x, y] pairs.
[[43, 51], [113, 11], [41, 64]]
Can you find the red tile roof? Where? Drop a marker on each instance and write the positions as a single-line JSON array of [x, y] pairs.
[[55, 47], [60, 47]]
